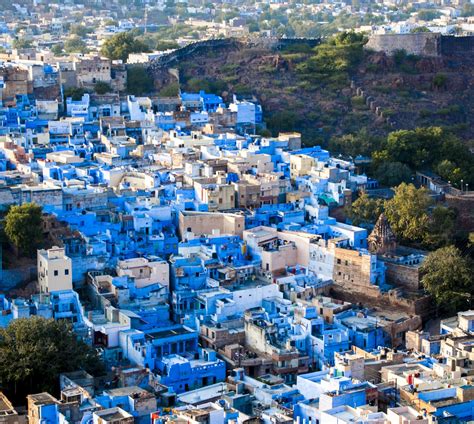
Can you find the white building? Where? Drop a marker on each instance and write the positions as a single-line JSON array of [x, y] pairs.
[[145, 271], [246, 111]]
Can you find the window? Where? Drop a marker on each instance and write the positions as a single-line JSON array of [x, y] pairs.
[[66, 272], [56, 272]]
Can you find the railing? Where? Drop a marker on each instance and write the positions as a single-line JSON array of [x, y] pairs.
[[457, 192]]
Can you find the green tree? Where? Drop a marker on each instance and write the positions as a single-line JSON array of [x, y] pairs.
[[119, 46], [166, 45], [171, 90], [23, 227], [281, 121], [22, 43], [75, 93], [75, 44], [425, 148], [334, 59], [414, 148], [139, 81], [57, 50], [428, 15], [449, 171], [364, 210], [468, 9], [360, 143], [210, 86], [102, 87], [440, 80], [392, 174], [407, 213], [447, 276], [34, 351], [419, 29], [80, 30], [442, 227]]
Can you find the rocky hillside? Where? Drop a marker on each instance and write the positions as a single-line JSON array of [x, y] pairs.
[[404, 91]]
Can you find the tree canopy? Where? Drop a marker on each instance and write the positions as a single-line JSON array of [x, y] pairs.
[[23, 227], [412, 215], [170, 90], [139, 81], [22, 43], [392, 174], [429, 148], [57, 49], [102, 87], [442, 227], [335, 58], [360, 143], [34, 351], [119, 46], [447, 276], [365, 211], [75, 44], [408, 213], [75, 93], [80, 30]]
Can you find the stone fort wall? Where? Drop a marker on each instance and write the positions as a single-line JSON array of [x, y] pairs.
[[258, 42], [422, 44]]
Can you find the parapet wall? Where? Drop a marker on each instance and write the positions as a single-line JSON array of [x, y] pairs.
[[457, 45], [422, 44], [219, 43]]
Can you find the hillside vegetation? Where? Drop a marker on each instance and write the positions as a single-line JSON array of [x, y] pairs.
[[309, 89]]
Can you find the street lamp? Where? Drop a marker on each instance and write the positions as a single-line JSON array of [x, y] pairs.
[[462, 181]]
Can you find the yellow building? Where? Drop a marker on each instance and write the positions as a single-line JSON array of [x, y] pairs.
[[54, 270], [300, 165]]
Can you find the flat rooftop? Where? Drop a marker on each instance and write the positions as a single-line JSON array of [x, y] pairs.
[[161, 334], [43, 398], [201, 395]]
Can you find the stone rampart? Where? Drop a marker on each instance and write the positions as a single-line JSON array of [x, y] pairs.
[[425, 44]]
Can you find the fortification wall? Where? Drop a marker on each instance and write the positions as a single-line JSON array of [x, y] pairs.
[[422, 44], [457, 45], [258, 42], [188, 50]]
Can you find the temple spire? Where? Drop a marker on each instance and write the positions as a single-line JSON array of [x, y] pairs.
[[382, 240]]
